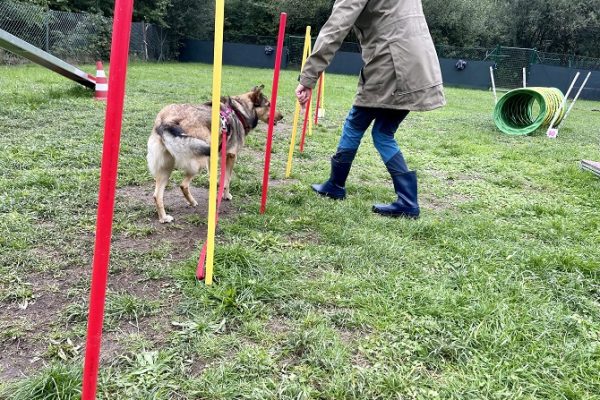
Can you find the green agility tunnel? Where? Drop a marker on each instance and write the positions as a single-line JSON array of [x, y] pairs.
[[524, 111]]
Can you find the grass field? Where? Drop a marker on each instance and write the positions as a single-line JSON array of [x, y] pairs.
[[493, 294]]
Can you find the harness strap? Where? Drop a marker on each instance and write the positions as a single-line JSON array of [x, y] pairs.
[[200, 271]]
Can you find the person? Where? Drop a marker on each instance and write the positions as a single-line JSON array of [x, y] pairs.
[[401, 74]]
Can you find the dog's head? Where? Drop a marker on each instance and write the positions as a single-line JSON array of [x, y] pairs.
[[262, 105]]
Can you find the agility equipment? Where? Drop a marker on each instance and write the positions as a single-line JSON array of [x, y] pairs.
[[493, 85], [274, 91], [101, 92], [106, 197], [576, 98], [200, 269], [320, 111], [22, 48], [308, 110], [553, 132], [214, 141], [306, 122], [309, 115], [288, 170], [591, 166], [514, 113]]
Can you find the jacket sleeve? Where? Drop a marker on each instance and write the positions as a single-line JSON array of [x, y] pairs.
[[335, 30]]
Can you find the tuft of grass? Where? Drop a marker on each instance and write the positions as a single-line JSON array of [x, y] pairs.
[[129, 307], [58, 381]]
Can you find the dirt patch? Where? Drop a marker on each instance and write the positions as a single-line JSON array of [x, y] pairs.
[[184, 234], [278, 326], [27, 327], [28, 324], [23, 349]]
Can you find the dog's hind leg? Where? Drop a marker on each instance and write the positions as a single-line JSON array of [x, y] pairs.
[[161, 164], [185, 188], [191, 170], [162, 178]]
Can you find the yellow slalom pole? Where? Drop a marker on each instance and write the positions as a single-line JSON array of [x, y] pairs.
[[214, 138], [288, 170], [310, 109]]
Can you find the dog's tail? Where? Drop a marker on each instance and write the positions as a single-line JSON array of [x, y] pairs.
[[177, 141]]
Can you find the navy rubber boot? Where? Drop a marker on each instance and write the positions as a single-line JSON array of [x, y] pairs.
[[340, 168], [405, 186]]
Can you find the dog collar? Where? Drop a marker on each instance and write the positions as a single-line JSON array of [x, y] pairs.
[[243, 120]]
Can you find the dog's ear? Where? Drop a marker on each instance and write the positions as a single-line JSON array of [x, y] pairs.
[[256, 95]]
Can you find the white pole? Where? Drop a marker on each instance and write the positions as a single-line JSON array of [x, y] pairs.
[[563, 104], [576, 97], [493, 84], [525, 77]]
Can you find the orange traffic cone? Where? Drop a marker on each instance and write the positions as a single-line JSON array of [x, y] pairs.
[[101, 82]]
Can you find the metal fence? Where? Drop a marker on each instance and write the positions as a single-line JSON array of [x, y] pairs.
[[77, 37]]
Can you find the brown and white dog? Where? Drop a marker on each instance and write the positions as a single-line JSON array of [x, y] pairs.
[[181, 139]]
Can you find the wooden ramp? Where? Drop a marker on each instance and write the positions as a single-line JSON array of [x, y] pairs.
[[22, 48], [592, 166]]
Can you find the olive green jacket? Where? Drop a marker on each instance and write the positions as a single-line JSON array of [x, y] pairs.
[[401, 69]]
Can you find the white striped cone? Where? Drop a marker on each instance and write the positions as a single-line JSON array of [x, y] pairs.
[[101, 82]]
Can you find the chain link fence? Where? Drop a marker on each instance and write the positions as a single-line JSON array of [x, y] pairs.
[[77, 37], [84, 38]]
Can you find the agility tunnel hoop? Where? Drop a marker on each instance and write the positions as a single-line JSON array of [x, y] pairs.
[[274, 91], [106, 194], [214, 141], [200, 270], [515, 114], [288, 169]]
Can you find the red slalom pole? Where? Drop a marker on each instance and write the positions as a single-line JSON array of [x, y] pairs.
[[106, 195], [319, 99], [306, 118], [274, 90]]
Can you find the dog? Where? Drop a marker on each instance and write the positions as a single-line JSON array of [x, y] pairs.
[[180, 139]]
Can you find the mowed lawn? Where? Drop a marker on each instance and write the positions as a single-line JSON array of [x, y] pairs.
[[493, 294]]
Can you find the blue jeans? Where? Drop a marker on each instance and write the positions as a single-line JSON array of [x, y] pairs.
[[386, 124]]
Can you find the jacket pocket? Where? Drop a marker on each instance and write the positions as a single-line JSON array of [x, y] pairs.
[[415, 60]]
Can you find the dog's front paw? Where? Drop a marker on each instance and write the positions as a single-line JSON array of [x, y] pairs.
[[166, 219], [193, 203], [227, 196]]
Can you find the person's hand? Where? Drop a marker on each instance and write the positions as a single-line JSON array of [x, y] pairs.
[[303, 94]]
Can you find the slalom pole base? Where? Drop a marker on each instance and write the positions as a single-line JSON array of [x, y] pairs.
[[552, 133]]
